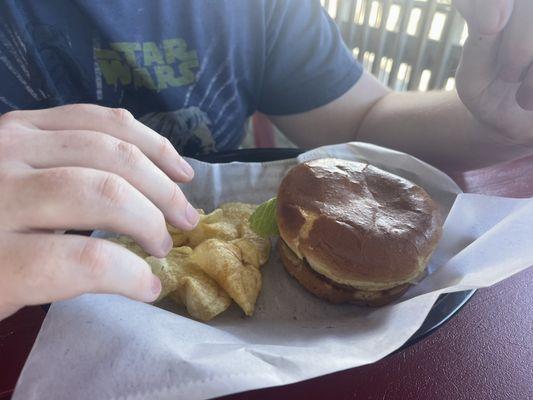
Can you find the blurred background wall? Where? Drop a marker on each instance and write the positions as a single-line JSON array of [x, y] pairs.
[[407, 44]]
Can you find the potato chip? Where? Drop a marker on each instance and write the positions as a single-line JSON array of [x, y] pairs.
[[217, 261], [203, 298], [209, 226], [162, 270], [167, 269], [212, 226], [224, 262], [238, 212], [179, 238], [255, 248], [201, 295], [250, 252]]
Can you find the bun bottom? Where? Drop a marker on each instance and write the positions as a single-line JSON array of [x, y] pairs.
[[326, 289]]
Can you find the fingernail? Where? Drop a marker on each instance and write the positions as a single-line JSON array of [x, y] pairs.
[[524, 98], [156, 286], [185, 167], [512, 74], [192, 215], [167, 244]]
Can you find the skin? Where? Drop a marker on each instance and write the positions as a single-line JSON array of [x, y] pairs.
[[487, 120], [91, 167], [84, 167]]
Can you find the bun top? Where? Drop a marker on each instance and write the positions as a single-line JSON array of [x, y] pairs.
[[356, 224]]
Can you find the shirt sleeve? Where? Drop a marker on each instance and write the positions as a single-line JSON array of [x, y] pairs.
[[307, 63]]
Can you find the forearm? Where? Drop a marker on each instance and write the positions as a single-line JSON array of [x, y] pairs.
[[436, 127]]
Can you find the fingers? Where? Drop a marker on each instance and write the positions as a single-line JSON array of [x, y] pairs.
[[524, 96], [485, 17], [489, 56], [40, 268], [104, 152], [118, 123], [84, 199], [516, 51], [488, 21], [476, 69]]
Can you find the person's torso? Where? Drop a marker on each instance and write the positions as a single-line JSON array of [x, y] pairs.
[[190, 69]]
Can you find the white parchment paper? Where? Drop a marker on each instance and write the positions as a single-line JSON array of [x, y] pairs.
[[107, 347]]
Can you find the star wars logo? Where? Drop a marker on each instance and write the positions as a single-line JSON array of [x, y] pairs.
[[148, 64]]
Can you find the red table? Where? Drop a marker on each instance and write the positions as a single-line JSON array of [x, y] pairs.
[[485, 352]]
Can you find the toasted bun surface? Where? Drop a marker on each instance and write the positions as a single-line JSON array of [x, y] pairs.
[[357, 225]]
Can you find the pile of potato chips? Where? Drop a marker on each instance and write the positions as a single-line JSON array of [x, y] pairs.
[[209, 266]]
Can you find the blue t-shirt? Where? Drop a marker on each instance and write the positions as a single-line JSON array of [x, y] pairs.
[[193, 70]]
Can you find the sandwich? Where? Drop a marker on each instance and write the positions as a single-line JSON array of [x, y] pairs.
[[352, 233]]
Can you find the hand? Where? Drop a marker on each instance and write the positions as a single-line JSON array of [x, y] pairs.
[[495, 77], [84, 167]]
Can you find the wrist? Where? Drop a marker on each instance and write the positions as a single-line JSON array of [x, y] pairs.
[[490, 145]]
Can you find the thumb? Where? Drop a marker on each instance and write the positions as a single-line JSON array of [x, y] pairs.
[[485, 17], [479, 61], [478, 66]]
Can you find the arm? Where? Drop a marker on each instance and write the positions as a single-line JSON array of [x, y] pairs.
[[434, 126], [481, 124], [438, 128]]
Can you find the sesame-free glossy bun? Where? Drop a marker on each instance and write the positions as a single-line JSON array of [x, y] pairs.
[[356, 225]]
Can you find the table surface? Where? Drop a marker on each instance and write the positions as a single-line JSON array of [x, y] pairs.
[[485, 352]]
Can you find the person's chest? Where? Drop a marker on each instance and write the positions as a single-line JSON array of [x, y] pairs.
[[189, 69]]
